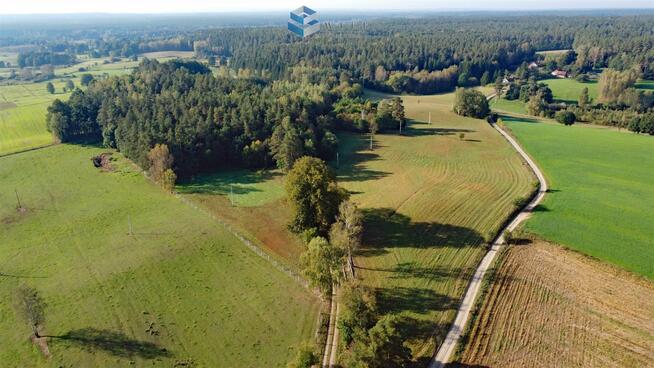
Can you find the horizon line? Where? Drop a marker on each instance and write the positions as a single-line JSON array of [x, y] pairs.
[[368, 10]]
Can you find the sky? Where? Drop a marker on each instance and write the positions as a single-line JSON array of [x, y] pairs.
[[190, 6]]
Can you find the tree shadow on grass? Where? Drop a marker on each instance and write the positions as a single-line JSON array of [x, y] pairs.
[[226, 182], [351, 166], [426, 129], [516, 119], [417, 300], [114, 343], [407, 270], [385, 228]]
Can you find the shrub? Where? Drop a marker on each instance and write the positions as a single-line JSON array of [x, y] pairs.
[[565, 117]]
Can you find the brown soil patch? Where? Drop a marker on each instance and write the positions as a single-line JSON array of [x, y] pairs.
[[549, 307], [42, 343], [103, 161]]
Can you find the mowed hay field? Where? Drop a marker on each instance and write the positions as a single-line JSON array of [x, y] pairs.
[[431, 200], [549, 307], [602, 190], [179, 290]]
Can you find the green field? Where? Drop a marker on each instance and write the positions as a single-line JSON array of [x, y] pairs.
[[568, 90], [22, 114], [514, 106], [602, 196], [179, 290]]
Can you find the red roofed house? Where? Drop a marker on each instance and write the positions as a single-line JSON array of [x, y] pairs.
[[560, 73]]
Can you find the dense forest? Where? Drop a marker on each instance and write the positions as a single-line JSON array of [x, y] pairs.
[[434, 54], [417, 55], [208, 122]]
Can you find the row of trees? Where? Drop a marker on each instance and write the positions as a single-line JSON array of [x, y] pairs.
[[334, 225]]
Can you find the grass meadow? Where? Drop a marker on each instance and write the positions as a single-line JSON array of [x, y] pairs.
[[431, 200], [568, 90], [22, 114], [602, 192], [178, 290]]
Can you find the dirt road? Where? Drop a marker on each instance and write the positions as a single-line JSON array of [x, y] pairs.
[[446, 349]]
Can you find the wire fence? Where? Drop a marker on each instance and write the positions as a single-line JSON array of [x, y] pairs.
[[260, 252]]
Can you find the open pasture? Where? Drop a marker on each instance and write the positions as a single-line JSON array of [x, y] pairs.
[[131, 275]]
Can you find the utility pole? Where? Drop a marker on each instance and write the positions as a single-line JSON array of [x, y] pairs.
[[129, 222], [400, 127], [231, 194], [18, 200], [338, 161], [430, 118], [371, 141]]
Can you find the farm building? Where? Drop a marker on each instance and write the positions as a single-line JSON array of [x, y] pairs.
[[560, 73]]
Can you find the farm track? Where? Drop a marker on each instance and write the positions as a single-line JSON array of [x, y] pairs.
[[446, 349]]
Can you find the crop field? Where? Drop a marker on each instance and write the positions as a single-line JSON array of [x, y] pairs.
[[169, 54], [131, 275], [602, 190], [550, 307], [431, 199], [553, 52]]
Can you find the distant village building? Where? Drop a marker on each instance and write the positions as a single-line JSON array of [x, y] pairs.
[[560, 73], [533, 65]]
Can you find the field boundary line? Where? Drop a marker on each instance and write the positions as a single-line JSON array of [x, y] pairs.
[[28, 150], [445, 351], [256, 249]]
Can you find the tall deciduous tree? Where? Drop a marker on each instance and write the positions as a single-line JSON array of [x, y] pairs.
[[50, 88], [321, 263], [346, 232], [32, 307], [313, 194], [584, 99], [470, 102], [161, 163]]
